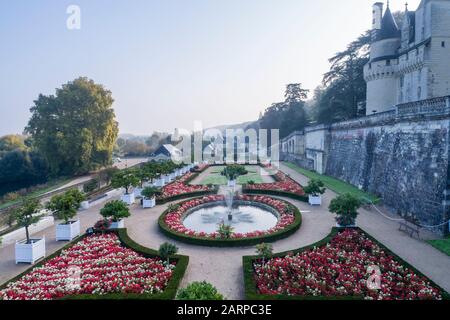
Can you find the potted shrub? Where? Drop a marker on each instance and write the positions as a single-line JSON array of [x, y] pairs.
[[199, 291], [115, 211], [232, 172], [126, 179], [264, 250], [346, 208], [315, 189], [149, 197], [64, 207], [166, 250], [29, 250]]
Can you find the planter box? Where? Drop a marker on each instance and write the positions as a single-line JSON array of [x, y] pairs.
[[315, 200], [148, 203], [138, 192], [129, 199], [159, 182], [117, 225], [232, 183], [30, 252], [85, 205], [68, 232]]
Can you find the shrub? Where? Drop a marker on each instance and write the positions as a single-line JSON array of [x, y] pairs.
[[27, 215], [11, 196], [225, 231], [91, 185], [115, 210], [102, 225], [346, 208], [315, 187], [264, 250], [150, 192], [166, 250], [233, 171], [65, 206], [199, 291]]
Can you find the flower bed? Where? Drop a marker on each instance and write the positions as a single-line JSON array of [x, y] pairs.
[[171, 223], [283, 186], [99, 265], [182, 189], [337, 267]]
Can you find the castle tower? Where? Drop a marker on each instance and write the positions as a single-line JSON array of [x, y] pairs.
[[380, 71]]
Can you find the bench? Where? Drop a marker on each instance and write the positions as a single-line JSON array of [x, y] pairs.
[[410, 227]]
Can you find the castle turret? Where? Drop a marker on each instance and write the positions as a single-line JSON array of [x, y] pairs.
[[380, 71], [377, 13]]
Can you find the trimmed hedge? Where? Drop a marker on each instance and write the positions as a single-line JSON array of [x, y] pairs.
[[185, 196], [168, 294], [282, 234], [250, 288], [276, 193]]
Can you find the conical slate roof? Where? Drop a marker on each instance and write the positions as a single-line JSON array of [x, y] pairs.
[[389, 28]]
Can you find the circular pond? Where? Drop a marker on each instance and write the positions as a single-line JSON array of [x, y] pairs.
[[243, 218]]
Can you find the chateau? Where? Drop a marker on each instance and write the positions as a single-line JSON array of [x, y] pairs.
[[400, 150], [410, 62]]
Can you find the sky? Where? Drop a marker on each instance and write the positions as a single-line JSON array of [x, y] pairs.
[[169, 63]]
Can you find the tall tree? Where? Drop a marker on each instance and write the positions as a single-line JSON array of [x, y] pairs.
[[75, 129]]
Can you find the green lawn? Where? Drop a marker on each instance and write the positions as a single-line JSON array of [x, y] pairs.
[[442, 245], [215, 177], [338, 186]]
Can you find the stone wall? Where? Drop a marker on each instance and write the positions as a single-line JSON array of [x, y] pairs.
[[403, 158]]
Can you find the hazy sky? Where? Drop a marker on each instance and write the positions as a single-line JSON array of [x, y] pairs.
[[171, 62]]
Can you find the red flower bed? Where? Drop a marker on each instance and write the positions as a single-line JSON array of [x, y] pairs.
[[283, 183], [180, 186], [340, 268], [96, 265], [174, 219]]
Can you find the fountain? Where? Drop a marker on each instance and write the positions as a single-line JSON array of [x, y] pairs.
[[244, 217]]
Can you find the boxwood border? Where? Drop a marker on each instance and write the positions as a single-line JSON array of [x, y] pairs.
[[282, 234], [168, 294], [250, 289]]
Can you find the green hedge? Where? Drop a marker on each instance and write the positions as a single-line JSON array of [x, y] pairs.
[[250, 283], [185, 196], [276, 193], [168, 294], [282, 234]]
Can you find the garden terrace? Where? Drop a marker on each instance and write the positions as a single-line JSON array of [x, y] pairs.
[[110, 265], [336, 268], [213, 176]]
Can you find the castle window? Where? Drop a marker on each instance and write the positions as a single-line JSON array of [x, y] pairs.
[[419, 92], [388, 62], [443, 44]]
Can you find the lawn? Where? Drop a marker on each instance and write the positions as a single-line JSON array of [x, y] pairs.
[[215, 178], [334, 184], [442, 245]]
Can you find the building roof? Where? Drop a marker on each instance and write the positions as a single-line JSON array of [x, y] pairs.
[[389, 28], [167, 150]]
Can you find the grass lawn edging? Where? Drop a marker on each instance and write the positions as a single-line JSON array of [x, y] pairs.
[[168, 294], [275, 193], [250, 289], [282, 234]]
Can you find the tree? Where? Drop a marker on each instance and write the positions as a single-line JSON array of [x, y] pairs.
[[166, 250], [65, 206], [12, 142], [344, 86], [125, 179], [346, 208], [27, 215], [233, 171], [199, 291], [264, 250], [150, 192], [75, 130], [295, 93], [315, 187], [116, 210], [106, 174]]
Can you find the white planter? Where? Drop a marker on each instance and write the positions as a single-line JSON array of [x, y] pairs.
[[232, 183], [172, 176], [315, 200], [166, 179], [129, 199], [148, 203], [117, 225], [30, 252], [68, 232], [138, 192], [85, 205]]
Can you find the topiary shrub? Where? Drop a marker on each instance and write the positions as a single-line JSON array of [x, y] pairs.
[[346, 208], [199, 291]]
